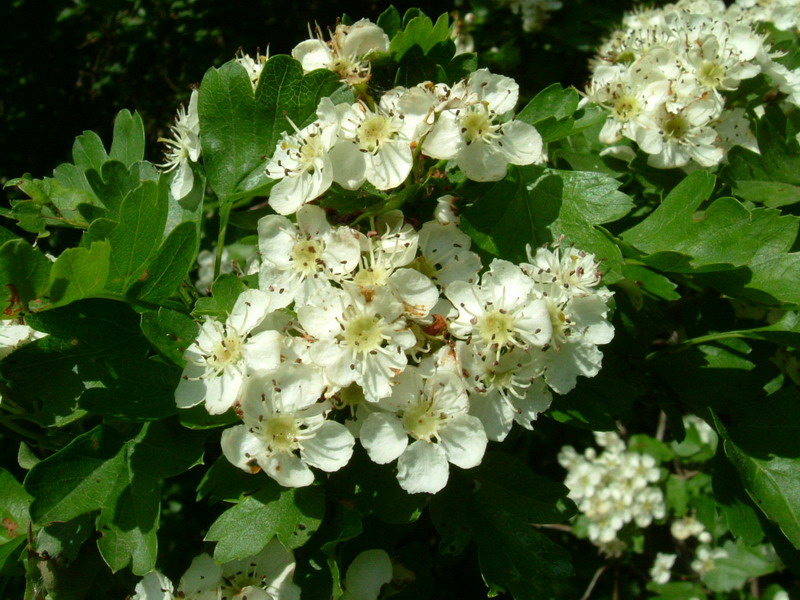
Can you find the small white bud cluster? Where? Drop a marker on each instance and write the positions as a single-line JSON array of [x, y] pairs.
[[613, 488], [665, 76]]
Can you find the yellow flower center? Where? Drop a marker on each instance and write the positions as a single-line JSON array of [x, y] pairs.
[[364, 334], [227, 352], [306, 255], [374, 131], [496, 327], [476, 124], [281, 432], [421, 422]]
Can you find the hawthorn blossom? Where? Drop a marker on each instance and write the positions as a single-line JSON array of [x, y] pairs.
[[223, 354], [375, 144], [14, 333], [253, 66], [501, 312], [471, 134], [183, 149], [660, 571], [302, 161], [434, 411], [285, 428], [357, 340], [366, 575], [348, 52], [299, 260], [445, 254]]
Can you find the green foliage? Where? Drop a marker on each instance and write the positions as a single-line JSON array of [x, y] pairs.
[[244, 529]]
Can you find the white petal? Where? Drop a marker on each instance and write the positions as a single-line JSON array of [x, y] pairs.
[[464, 441], [537, 400], [223, 391], [203, 574], [482, 162], [349, 165], [288, 470], [153, 586], [262, 351], [418, 293], [363, 38], [444, 140], [569, 361], [423, 468], [276, 239], [383, 437], [275, 564], [499, 91], [242, 448], [191, 390], [313, 54], [183, 181], [390, 166], [342, 251], [494, 412], [367, 574], [521, 143], [312, 221], [330, 449], [249, 310]]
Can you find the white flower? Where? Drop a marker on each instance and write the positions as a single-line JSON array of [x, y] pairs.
[[503, 391], [686, 527], [285, 429], [253, 66], [14, 333], [348, 52], [220, 358], [434, 412], [366, 575], [299, 260], [472, 135], [660, 571], [375, 145], [302, 161], [183, 148], [446, 255], [501, 313], [358, 340]]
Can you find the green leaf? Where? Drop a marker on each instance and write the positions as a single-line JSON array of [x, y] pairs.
[[171, 332], [763, 443], [390, 21], [223, 482], [79, 273], [88, 151], [422, 32], [551, 112], [733, 502], [506, 482], [373, 489], [25, 273], [771, 176], [92, 344], [14, 501], [290, 514], [742, 563], [242, 127], [128, 144], [516, 558], [533, 206], [224, 292], [77, 479], [740, 251], [170, 266], [129, 525], [136, 236]]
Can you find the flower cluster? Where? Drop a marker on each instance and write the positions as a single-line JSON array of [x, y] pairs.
[[397, 330], [612, 489], [351, 145], [265, 576], [665, 76]]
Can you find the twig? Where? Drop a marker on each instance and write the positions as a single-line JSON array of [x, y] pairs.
[[593, 582]]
